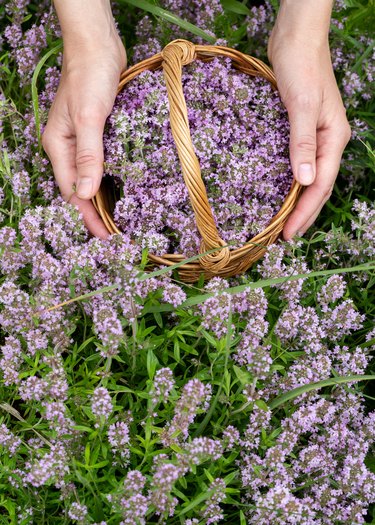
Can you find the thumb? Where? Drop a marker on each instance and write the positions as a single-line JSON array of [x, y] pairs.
[[89, 156], [303, 117]]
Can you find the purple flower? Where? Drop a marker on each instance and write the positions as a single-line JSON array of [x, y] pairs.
[[9, 440], [194, 394], [78, 512], [173, 294], [213, 513], [132, 504], [50, 467], [101, 403], [11, 360], [198, 450], [118, 437], [163, 384], [238, 127], [163, 480]]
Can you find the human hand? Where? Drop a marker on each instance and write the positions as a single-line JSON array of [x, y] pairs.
[[319, 131], [73, 137]]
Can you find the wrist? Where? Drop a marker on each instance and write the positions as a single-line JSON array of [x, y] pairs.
[[301, 23], [89, 34], [86, 25]]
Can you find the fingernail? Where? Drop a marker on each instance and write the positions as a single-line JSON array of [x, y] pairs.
[[84, 188], [305, 173], [300, 233]]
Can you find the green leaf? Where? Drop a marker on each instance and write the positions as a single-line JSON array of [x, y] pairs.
[[101, 464], [176, 351], [242, 518], [201, 497], [243, 376], [292, 394], [183, 482], [87, 454], [230, 477], [152, 363], [82, 428], [233, 6], [34, 89], [262, 405], [11, 508], [159, 319], [171, 18], [209, 475], [211, 340], [180, 494], [85, 343]]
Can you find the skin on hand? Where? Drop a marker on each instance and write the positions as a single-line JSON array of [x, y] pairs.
[[73, 137], [319, 131], [94, 58]]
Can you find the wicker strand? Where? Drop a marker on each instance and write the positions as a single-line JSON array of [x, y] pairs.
[[175, 55]]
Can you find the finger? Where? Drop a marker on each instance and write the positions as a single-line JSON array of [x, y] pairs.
[[303, 229], [89, 154], [91, 217], [61, 152], [309, 204], [315, 196], [303, 117]]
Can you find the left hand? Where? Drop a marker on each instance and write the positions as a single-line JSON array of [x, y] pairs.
[[93, 60]]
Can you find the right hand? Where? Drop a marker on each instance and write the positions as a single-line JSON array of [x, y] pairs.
[[319, 131], [73, 137]]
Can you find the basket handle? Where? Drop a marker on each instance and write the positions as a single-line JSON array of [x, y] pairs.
[[175, 55]]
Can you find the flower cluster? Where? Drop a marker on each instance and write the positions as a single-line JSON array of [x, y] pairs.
[[162, 386], [194, 394], [118, 437], [101, 403], [305, 463], [356, 246], [326, 441], [239, 131], [9, 440], [27, 45], [78, 512], [213, 512]]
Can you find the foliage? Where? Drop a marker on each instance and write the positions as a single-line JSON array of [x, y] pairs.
[[126, 397]]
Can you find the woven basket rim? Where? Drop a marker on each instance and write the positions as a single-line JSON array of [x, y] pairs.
[[224, 261]]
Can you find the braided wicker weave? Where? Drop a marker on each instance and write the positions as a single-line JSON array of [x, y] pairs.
[[223, 261]]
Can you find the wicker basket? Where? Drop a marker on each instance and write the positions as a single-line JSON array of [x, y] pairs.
[[223, 261]]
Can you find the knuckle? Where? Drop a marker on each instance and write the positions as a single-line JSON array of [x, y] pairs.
[[46, 140], [86, 157], [306, 143], [88, 115], [304, 101], [347, 133], [326, 192]]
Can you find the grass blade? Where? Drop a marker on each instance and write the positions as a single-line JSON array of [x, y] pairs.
[[198, 299], [263, 283], [332, 381], [34, 89], [234, 6], [8, 408], [171, 18]]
